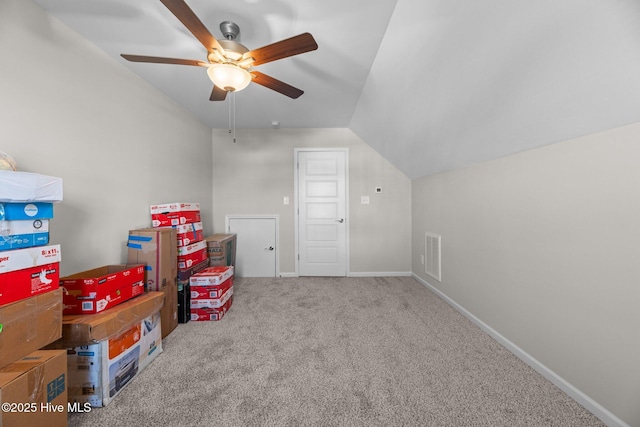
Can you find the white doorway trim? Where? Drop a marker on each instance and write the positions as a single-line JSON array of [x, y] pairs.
[[275, 217], [296, 202]]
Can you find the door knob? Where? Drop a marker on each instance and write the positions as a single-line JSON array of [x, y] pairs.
[[270, 248], [341, 220]]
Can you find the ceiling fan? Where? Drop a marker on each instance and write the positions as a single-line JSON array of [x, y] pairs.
[[229, 63]]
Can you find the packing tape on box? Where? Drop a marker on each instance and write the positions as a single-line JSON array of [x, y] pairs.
[[139, 246]]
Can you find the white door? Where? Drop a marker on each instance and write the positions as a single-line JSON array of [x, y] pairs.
[[322, 221], [256, 252]]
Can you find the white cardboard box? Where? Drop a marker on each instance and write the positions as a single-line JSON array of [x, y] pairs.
[[98, 372], [23, 233], [16, 187]]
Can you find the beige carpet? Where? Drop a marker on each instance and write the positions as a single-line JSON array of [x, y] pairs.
[[337, 352]]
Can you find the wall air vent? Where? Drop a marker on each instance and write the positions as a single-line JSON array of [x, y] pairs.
[[432, 255]]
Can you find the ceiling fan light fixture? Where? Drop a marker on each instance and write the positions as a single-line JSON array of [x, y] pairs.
[[229, 77]]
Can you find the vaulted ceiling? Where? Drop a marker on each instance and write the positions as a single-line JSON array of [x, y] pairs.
[[432, 85]]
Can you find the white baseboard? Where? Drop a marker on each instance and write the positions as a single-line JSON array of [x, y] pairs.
[[365, 274], [288, 275], [591, 405], [378, 273]]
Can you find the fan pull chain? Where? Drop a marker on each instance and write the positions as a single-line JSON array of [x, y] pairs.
[[233, 97], [232, 114]]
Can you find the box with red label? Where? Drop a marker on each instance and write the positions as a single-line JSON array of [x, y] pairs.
[[191, 255], [28, 272], [95, 290], [189, 233], [211, 292], [211, 276], [212, 303], [202, 314], [171, 214]]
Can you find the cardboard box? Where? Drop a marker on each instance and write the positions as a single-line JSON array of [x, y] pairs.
[[18, 186], [171, 214], [189, 233], [21, 259], [221, 249], [211, 276], [98, 372], [29, 324], [28, 272], [23, 211], [36, 388], [173, 208], [83, 329], [204, 314], [169, 311], [211, 292], [185, 274], [191, 255], [156, 249], [23, 234], [184, 302], [212, 303], [95, 290]]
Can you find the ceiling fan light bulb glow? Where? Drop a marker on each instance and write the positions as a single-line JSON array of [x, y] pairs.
[[229, 77]]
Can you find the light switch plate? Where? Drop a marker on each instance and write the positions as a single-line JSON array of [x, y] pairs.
[[364, 200]]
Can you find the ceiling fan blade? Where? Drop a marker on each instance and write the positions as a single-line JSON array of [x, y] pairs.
[[282, 49], [218, 94], [189, 19], [277, 85], [161, 60]]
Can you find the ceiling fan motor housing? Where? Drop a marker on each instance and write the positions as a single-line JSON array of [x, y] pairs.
[[230, 30]]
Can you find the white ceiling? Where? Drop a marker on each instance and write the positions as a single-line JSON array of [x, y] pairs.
[[432, 85]]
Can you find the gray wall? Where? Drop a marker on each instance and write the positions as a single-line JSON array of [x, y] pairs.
[[253, 175], [119, 145], [542, 246]]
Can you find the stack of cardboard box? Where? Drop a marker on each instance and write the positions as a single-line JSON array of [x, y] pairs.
[[33, 382], [106, 350], [191, 247], [211, 293], [111, 330]]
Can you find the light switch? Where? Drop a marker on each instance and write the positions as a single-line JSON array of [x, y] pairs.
[[364, 200], [285, 200]]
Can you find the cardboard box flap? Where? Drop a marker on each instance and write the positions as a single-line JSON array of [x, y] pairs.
[[84, 329], [100, 274]]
